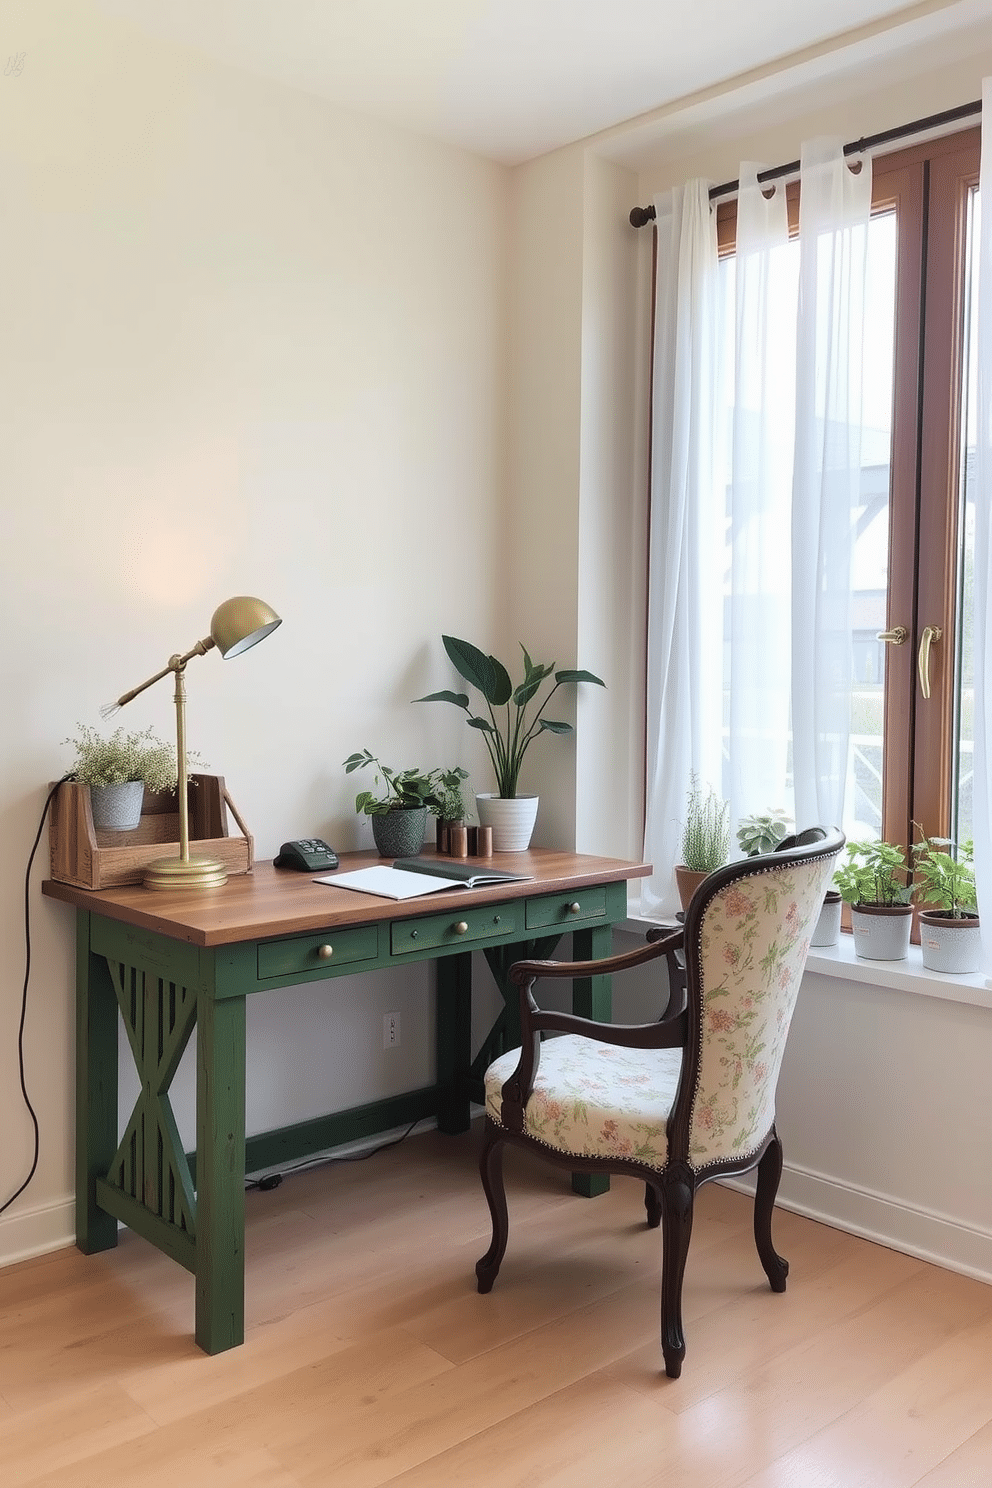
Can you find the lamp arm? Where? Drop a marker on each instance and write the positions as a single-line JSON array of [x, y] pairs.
[[176, 664]]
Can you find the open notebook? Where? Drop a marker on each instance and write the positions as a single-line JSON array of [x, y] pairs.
[[408, 878]]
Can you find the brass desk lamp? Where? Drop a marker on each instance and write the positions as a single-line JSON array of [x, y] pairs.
[[237, 624]]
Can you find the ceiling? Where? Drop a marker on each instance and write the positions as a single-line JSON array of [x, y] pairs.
[[512, 79]]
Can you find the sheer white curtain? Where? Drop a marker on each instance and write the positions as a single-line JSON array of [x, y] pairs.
[[834, 209], [683, 732], [983, 543], [764, 279], [750, 557]]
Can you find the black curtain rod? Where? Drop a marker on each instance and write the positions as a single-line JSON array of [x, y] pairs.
[[640, 216]]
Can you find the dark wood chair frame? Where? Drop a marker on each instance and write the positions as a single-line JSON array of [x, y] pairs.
[[669, 1191]]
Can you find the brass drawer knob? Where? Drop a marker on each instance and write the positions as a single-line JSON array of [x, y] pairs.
[[461, 927], [575, 907], [325, 952]]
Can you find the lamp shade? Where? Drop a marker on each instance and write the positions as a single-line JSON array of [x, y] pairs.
[[240, 622]]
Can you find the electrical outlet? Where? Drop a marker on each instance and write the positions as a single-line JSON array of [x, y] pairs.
[[390, 1030]]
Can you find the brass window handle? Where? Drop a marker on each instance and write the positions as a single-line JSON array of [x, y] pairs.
[[931, 633], [895, 637]]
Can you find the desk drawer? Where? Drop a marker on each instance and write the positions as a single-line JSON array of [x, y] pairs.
[[563, 910], [456, 927], [278, 958]]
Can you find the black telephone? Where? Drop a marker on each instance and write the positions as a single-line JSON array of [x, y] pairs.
[[307, 855]]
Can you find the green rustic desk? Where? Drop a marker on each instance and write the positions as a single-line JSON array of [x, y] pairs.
[[170, 961]]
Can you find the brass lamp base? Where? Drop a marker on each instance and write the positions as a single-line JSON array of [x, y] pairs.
[[194, 873]]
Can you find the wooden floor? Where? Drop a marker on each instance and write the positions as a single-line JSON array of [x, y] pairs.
[[371, 1359]]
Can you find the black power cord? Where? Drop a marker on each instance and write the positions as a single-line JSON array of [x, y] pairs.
[[24, 998], [273, 1180]]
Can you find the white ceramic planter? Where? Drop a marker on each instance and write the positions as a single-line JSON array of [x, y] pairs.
[[950, 945], [117, 808], [827, 931], [512, 819], [881, 932]]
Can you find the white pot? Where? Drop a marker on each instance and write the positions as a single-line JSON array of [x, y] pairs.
[[948, 944], [512, 819], [117, 808], [827, 932], [881, 931]]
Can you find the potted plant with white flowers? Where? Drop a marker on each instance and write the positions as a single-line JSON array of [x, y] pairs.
[[944, 880], [118, 771]]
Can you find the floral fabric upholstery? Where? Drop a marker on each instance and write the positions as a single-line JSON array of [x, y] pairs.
[[600, 1100], [596, 1100], [754, 938]]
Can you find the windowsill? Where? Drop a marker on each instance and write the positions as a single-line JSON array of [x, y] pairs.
[[903, 976]]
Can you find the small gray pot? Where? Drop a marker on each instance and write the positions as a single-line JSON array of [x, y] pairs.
[[400, 834], [117, 808], [881, 931], [948, 944]]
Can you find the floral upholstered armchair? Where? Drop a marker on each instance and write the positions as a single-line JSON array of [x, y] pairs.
[[686, 1099]]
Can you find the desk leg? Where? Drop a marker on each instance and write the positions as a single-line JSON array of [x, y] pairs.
[[96, 1090], [592, 997], [220, 1173], [454, 1041]]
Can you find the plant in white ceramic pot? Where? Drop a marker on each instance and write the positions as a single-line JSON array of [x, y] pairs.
[[944, 881], [874, 881], [515, 717], [118, 771]]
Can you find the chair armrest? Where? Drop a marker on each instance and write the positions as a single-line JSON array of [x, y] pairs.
[[526, 972], [669, 1033]]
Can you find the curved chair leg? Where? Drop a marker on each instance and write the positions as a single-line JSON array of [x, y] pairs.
[[676, 1220], [769, 1173], [652, 1204], [491, 1171]]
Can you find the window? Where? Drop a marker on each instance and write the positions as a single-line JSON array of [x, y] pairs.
[[910, 748]]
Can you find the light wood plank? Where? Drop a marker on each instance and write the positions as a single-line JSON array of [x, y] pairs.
[[370, 1358]]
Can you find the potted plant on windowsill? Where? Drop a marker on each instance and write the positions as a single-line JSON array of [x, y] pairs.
[[944, 880], [399, 810], [119, 769], [705, 839], [509, 732], [874, 882]]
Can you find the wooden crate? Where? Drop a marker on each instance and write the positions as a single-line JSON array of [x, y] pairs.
[[93, 859]]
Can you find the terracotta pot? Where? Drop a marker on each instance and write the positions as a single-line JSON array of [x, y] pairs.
[[687, 881]]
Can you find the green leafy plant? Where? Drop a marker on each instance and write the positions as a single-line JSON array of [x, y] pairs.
[[125, 756], [944, 875], [762, 832], [510, 733], [450, 795], [403, 790], [706, 833], [874, 873]]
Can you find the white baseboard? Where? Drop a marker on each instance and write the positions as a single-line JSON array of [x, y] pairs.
[[922, 1233], [35, 1232]]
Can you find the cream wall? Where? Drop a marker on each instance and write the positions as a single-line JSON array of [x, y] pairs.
[[250, 344]]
